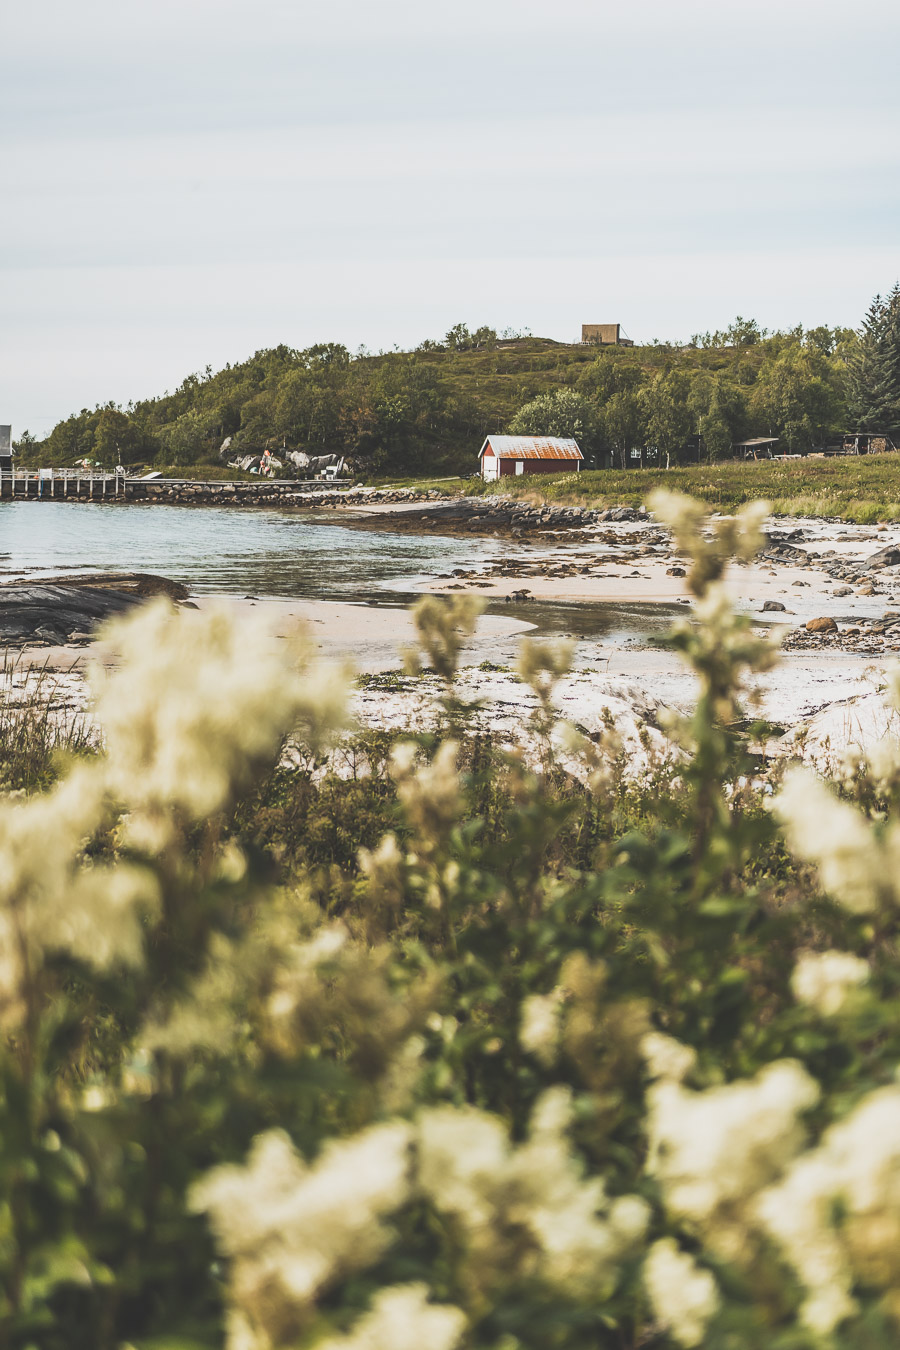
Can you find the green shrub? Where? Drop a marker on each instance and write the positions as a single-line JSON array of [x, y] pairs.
[[453, 1048]]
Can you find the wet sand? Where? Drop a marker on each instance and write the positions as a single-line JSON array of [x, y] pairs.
[[606, 666]]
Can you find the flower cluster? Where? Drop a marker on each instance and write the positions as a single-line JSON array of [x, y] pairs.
[[712, 1152], [836, 1213], [292, 1231], [858, 866], [825, 980]]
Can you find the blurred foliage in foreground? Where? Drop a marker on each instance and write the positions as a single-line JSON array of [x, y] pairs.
[[515, 1077]]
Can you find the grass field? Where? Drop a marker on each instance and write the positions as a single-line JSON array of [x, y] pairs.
[[864, 490]]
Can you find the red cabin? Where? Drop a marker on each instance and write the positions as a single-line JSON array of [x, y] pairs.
[[503, 456]]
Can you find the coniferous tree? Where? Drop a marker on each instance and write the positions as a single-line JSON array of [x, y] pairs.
[[874, 372]]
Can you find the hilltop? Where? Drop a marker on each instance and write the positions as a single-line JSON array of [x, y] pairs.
[[427, 411]]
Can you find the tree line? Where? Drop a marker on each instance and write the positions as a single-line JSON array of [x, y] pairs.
[[427, 410]]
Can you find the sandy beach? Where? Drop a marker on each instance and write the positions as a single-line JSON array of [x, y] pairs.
[[834, 685]]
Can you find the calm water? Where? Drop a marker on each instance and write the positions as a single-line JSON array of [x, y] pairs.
[[217, 550]]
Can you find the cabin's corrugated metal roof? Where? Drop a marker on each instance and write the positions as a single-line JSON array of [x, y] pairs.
[[532, 447]]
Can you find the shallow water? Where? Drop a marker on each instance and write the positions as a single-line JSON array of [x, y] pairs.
[[221, 551], [218, 550]]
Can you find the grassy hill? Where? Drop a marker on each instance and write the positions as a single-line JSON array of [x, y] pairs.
[[427, 411]]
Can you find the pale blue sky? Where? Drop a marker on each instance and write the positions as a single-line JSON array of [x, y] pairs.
[[186, 181]]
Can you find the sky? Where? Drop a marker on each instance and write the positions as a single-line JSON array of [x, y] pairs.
[[184, 182]]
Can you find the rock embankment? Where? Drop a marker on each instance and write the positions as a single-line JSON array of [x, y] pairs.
[[438, 512], [500, 515]]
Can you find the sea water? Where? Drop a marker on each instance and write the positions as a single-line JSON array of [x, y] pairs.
[[222, 550]]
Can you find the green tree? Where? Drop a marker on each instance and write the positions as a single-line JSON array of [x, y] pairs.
[[563, 413], [26, 445], [612, 372], [796, 398], [874, 369], [184, 440], [667, 414], [622, 419], [117, 438], [719, 413], [458, 338]]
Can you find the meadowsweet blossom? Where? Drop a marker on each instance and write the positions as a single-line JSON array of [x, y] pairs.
[[384, 866], [52, 898], [825, 980], [836, 1213], [682, 1295], [578, 1238], [401, 1318], [429, 792], [539, 1028], [667, 1058], [292, 1229], [857, 868], [541, 664], [198, 703], [442, 627], [710, 545], [712, 1151]]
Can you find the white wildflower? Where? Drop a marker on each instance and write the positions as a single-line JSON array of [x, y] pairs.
[[682, 1295], [836, 1214], [460, 1154], [291, 1229], [384, 868], [713, 1150], [442, 627], [539, 1028], [468, 1167], [856, 868], [824, 980], [541, 664], [401, 1318], [96, 1098], [882, 762], [430, 792], [198, 703], [667, 1058], [51, 899]]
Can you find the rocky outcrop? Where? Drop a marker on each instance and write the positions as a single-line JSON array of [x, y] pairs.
[[500, 515], [54, 614], [64, 610]]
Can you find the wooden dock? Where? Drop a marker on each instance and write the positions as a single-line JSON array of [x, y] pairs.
[[91, 485]]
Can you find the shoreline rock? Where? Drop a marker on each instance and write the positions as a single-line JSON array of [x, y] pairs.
[[70, 609]]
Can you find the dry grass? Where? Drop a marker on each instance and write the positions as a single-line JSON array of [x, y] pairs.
[[39, 724], [863, 490]]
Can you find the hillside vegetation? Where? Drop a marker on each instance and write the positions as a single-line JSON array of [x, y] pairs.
[[427, 411], [865, 490]]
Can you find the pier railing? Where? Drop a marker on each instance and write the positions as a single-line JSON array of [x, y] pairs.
[[100, 485]]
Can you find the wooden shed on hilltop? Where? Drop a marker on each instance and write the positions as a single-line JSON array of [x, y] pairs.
[[503, 456], [604, 335]]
